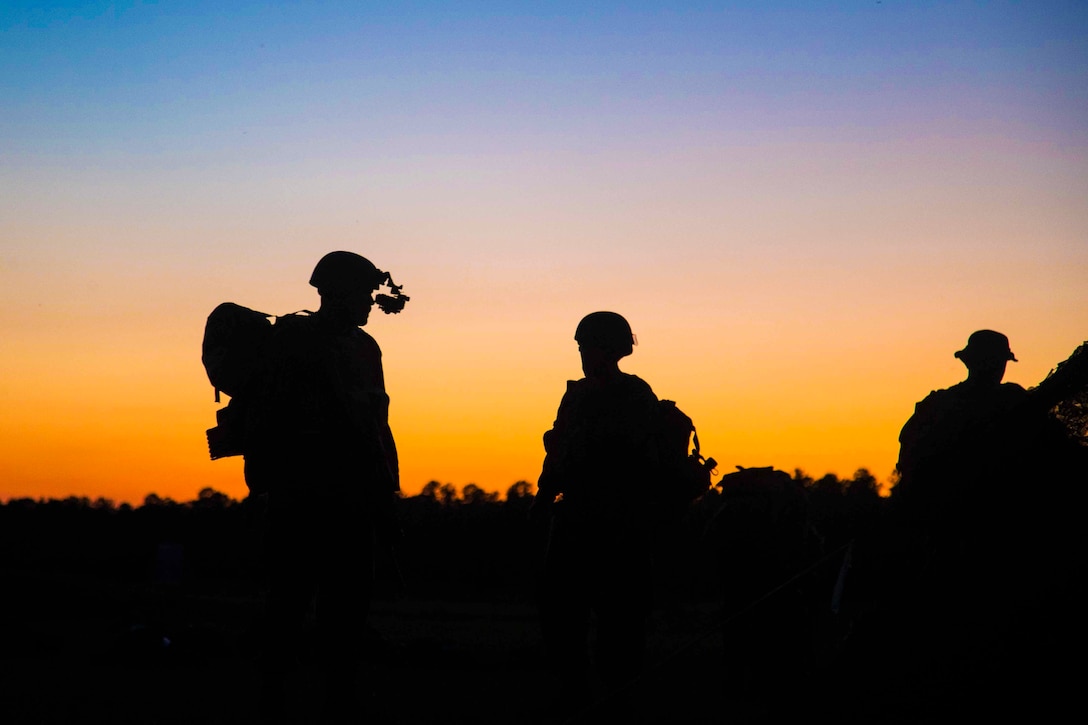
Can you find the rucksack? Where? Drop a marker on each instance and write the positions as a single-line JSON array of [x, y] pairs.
[[235, 339], [685, 472]]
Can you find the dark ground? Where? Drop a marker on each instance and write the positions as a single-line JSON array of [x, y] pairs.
[[74, 650], [148, 616], [80, 648]]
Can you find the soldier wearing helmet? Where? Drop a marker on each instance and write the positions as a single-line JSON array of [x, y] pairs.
[[329, 462], [594, 489]]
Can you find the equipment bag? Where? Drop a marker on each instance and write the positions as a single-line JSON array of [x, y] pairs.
[[235, 338], [685, 472]]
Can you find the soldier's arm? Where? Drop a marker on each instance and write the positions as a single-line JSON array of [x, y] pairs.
[[556, 451], [389, 450], [919, 440]]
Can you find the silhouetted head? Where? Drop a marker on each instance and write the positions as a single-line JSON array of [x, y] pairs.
[[339, 272], [606, 331], [986, 355], [603, 338], [346, 282]]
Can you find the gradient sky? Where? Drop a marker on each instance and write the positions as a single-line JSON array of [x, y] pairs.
[[802, 208]]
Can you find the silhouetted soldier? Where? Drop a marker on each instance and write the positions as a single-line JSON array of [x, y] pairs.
[[957, 438], [329, 462], [600, 465], [976, 529]]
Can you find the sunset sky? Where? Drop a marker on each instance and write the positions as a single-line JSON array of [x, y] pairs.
[[802, 208]]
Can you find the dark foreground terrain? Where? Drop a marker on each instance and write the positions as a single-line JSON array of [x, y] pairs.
[[770, 606], [75, 653], [149, 615]]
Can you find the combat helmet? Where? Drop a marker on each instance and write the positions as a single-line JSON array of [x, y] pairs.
[[607, 331], [339, 272]]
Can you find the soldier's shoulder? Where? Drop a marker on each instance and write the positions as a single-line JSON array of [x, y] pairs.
[[639, 386], [940, 395], [1012, 392], [292, 330], [364, 339], [576, 390], [938, 399], [294, 322]]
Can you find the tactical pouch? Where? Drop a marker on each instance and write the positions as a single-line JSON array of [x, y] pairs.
[[226, 439]]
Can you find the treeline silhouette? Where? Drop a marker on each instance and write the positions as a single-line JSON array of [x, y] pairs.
[[459, 544]]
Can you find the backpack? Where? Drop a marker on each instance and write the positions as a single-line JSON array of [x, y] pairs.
[[685, 472], [235, 338]]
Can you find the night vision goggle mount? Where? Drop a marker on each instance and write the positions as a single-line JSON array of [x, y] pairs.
[[393, 302]]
